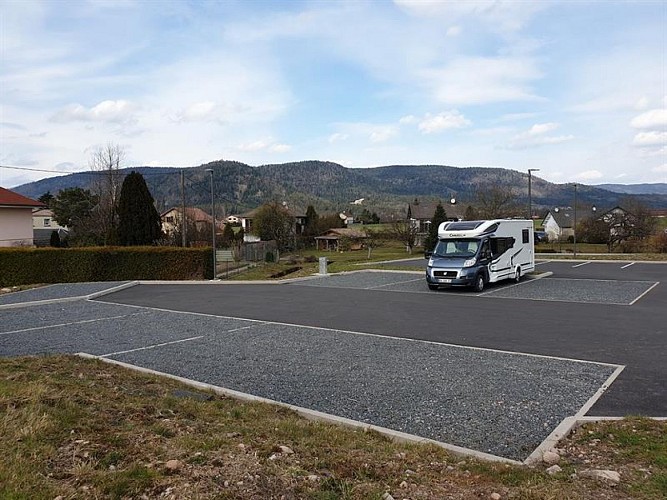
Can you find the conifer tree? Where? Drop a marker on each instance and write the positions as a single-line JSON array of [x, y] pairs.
[[227, 236], [138, 219], [439, 217]]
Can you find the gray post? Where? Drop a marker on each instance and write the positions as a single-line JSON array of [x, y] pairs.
[[323, 265]]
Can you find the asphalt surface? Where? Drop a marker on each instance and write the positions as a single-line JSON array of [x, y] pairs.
[[631, 335], [306, 343]]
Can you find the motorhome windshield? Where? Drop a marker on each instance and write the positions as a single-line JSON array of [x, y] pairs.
[[460, 248]]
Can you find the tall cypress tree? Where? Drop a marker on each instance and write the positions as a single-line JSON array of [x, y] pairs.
[[439, 217], [138, 219]]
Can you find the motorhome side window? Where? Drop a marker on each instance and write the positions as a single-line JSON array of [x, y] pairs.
[[525, 235], [500, 245]]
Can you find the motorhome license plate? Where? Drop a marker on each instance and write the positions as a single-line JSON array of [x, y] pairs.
[[444, 280]]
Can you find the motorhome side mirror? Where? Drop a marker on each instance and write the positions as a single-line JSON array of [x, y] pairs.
[[427, 254]]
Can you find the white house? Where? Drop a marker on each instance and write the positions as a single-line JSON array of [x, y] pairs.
[[559, 224], [43, 224]]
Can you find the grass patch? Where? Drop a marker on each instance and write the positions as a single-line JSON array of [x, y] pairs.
[[81, 428]]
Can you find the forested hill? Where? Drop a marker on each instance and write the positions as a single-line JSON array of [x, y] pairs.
[[332, 187], [657, 188]]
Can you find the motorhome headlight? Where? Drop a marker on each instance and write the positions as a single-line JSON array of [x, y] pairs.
[[469, 263]]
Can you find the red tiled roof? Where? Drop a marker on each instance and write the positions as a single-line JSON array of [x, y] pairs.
[[11, 199]]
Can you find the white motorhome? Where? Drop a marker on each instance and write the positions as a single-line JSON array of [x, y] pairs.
[[474, 253]]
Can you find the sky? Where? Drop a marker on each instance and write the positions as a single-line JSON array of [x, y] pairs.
[[575, 89]]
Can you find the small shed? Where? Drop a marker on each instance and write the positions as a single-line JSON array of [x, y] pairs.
[[332, 239]]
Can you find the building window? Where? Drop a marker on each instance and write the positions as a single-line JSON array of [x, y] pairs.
[[47, 222], [170, 220]]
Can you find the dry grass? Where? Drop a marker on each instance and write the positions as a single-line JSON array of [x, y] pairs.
[[78, 428]]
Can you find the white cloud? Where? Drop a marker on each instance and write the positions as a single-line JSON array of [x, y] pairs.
[[382, 133], [642, 103], [337, 137], [454, 31], [407, 120], [655, 118], [199, 111], [650, 139], [498, 16], [259, 145], [589, 175], [443, 121], [264, 145], [661, 169], [118, 112], [280, 148], [537, 136], [484, 80], [373, 132]]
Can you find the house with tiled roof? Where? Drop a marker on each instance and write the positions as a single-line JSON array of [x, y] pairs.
[[419, 214], [16, 218], [171, 219]]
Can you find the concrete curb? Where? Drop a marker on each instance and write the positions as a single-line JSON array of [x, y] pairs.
[[568, 423], [309, 414], [90, 296], [560, 432]]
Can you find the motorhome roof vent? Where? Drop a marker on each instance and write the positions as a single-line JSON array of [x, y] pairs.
[[464, 225]]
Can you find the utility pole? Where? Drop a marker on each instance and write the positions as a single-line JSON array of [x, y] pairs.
[[574, 228], [183, 224], [530, 195], [215, 258]]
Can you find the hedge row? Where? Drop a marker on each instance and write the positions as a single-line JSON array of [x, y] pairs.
[[23, 266]]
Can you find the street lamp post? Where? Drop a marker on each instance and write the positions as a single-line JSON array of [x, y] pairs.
[[215, 262], [530, 195], [574, 227]]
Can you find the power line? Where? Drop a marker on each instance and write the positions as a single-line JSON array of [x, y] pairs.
[[92, 172]]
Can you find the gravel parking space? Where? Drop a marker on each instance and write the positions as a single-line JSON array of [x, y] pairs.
[[496, 402], [99, 328], [576, 290], [59, 291]]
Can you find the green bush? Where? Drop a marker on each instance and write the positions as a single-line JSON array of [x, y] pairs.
[[23, 266]]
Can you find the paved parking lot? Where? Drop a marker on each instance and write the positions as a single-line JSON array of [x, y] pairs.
[[488, 371]]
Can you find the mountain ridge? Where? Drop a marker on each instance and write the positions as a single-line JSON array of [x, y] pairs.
[[331, 187]]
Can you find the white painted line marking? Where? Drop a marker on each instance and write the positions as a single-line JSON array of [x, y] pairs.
[[162, 344], [152, 346], [582, 264], [45, 327], [394, 283], [512, 284], [627, 265], [651, 288]]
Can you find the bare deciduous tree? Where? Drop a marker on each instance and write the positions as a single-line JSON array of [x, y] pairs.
[[372, 240], [496, 202], [405, 232], [107, 161]]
